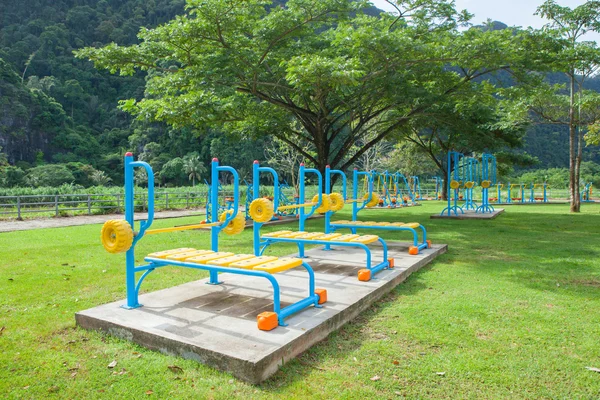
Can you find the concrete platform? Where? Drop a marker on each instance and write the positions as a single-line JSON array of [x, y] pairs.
[[470, 214], [216, 325], [537, 203]]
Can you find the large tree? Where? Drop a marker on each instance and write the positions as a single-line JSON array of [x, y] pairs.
[[578, 59], [307, 71]]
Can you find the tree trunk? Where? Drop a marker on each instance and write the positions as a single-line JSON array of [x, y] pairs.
[[445, 187], [573, 169]]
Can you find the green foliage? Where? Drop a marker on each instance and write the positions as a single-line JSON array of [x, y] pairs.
[[49, 175], [11, 176], [313, 71]]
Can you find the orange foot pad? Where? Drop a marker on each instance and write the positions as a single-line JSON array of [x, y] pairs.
[[391, 261], [322, 293], [364, 275], [413, 250], [267, 321], [428, 244]]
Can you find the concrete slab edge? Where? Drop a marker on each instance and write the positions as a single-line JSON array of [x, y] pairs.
[[253, 372]]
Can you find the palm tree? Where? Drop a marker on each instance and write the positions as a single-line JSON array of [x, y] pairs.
[[194, 169]]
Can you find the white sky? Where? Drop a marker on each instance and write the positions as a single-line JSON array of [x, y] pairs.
[[511, 12]]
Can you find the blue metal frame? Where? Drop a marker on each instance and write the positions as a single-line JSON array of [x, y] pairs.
[[333, 226], [453, 173], [261, 243], [133, 287], [488, 173]]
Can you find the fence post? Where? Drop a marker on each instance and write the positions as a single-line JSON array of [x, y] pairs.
[[187, 200], [118, 202], [89, 204], [166, 201], [56, 205], [19, 208]]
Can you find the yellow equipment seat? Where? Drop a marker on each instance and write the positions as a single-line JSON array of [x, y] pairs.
[[312, 235], [292, 235], [166, 253], [187, 254], [205, 258], [330, 236], [346, 238], [226, 261], [276, 233], [252, 262], [365, 239], [268, 264], [280, 265]]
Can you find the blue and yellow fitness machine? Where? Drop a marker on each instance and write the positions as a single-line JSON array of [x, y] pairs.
[[118, 236]]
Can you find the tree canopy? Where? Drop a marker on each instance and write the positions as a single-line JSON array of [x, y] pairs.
[[310, 71]]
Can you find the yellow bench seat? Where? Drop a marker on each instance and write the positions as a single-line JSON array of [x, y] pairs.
[[267, 264], [365, 239], [276, 233], [205, 258], [250, 263], [167, 253], [280, 265], [187, 254]]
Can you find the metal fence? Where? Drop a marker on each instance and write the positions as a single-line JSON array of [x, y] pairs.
[[65, 204]]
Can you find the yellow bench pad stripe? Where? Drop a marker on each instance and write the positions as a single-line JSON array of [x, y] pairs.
[[312, 235], [292, 235], [280, 265], [345, 238], [166, 253], [365, 239], [330, 236], [276, 233], [187, 254], [252, 262], [412, 225], [208, 257], [224, 262]]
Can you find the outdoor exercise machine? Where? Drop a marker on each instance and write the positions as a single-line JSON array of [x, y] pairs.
[[488, 178], [118, 236], [400, 180], [416, 187], [470, 178], [587, 192], [455, 179], [354, 225], [521, 188], [262, 210], [533, 198]]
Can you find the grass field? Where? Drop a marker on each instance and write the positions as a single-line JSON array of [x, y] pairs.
[[511, 311]]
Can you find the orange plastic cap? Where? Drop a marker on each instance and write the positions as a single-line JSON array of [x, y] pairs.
[[322, 293], [267, 321], [364, 275], [391, 261], [413, 250], [428, 244]]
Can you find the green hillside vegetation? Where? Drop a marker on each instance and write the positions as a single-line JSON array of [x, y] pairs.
[[56, 109]]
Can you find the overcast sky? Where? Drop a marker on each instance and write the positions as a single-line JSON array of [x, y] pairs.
[[511, 12]]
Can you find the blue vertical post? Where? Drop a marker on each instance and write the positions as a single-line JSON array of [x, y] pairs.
[[301, 199], [132, 298], [214, 214], [255, 189]]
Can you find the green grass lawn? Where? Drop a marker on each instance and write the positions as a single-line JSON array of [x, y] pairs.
[[511, 311]]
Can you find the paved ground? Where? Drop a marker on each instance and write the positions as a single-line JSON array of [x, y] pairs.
[[10, 226], [216, 324]]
